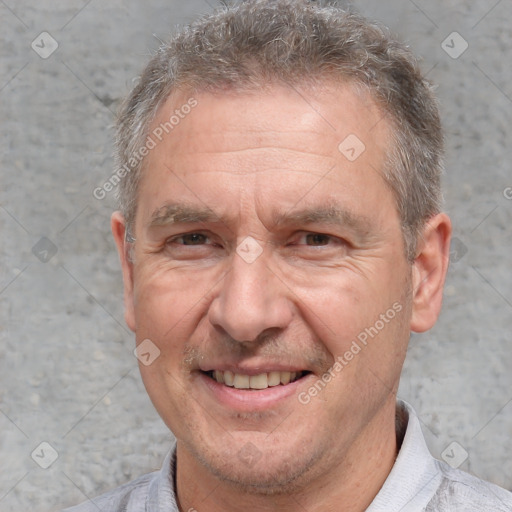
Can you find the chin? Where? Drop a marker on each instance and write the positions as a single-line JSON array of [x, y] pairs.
[[260, 473]]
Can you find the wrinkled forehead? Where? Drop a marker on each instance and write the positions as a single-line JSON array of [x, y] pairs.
[[336, 119], [289, 136]]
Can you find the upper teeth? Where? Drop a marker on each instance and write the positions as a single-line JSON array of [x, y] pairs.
[[261, 381]]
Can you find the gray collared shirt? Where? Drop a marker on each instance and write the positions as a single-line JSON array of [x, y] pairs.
[[417, 483]]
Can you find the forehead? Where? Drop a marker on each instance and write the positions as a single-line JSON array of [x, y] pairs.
[[332, 110], [283, 138]]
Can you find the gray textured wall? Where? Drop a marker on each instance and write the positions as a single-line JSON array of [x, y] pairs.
[[68, 375]]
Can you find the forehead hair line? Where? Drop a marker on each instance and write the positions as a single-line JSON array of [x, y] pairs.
[[176, 213]]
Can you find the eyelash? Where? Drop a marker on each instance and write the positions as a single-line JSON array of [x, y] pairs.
[[173, 239], [309, 233]]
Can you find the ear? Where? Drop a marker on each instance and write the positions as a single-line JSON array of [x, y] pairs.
[[118, 225], [429, 272]]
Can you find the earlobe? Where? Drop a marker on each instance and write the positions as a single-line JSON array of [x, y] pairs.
[[124, 248], [429, 272]]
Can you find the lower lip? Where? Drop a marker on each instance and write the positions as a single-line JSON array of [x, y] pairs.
[[250, 399]]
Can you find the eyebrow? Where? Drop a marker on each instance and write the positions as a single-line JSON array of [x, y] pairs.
[[327, 214], [182, 213]]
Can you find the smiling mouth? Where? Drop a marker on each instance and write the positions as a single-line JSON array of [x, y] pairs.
[[260, 381]]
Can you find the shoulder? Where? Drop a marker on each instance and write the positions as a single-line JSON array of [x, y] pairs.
[[126, 498], [461, 491]]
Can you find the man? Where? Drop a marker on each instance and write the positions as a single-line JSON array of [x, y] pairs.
[[280, 236]]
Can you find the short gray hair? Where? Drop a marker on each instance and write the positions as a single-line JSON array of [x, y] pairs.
[[260, 42]]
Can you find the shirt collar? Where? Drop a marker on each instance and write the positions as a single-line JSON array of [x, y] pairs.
[[415, 477], [409, 487], [161, 493]]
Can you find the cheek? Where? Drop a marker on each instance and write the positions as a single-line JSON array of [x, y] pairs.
[[339, 308], [358, 313], [161, 305], [168, 393], [158, 287], [170, 309]]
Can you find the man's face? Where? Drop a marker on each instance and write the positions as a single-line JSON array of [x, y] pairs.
[[288, 250]]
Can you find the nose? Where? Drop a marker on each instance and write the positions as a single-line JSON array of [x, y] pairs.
[[252, 299]]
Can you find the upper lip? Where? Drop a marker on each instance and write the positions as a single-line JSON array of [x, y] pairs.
[[252, 369]]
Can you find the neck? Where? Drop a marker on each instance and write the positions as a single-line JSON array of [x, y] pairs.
[[352, 479]]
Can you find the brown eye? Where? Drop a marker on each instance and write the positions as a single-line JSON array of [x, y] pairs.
[[317, 239], [193, 246], [192, 239]]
